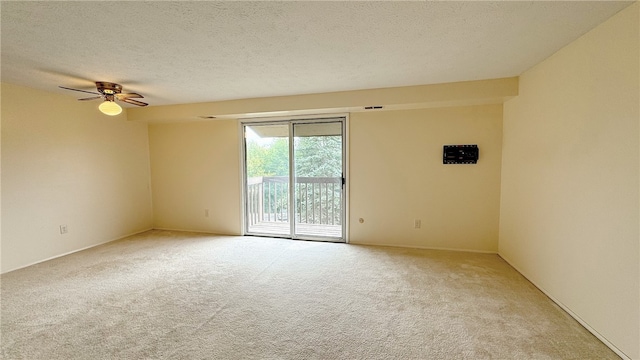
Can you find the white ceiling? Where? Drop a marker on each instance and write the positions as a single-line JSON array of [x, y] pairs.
[[186, 52]]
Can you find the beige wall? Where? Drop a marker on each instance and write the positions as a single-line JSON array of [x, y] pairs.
[[196, 166], [63, 162], [570, 179], [397, 176]]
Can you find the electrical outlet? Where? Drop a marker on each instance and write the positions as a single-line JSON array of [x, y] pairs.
[[417, 223], [206, 212], [63, 229]]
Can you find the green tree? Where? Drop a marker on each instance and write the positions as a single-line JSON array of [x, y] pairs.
[[319, 156], [268, 159], [256, 158], [316, 156]]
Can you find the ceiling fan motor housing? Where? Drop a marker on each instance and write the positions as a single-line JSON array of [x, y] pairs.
[[108, 88], [111, 92]]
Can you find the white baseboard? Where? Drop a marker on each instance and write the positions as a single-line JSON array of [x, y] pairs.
[[77, 250], [196, 231], [425, 247], [571, 313]]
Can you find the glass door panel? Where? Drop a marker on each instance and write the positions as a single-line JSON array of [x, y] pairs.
[[294, 184], [318, 180], [267, 210]]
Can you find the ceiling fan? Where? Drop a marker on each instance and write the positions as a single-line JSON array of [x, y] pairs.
[[110, 92]]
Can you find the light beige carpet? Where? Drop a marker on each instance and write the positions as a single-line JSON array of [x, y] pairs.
[[171, 295]]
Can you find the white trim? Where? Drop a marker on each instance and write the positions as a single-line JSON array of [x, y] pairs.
[[77, 250], [196, 231], [243, 181], [345, 166], [292, 179], [570, 312], [319, 116], [427, 248], [291, 120]]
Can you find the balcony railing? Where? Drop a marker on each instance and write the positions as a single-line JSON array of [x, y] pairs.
[[318, 201]]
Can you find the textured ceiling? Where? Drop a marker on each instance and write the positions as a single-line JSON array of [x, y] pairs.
[[186, 52]]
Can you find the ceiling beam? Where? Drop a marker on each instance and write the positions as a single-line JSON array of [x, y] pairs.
[[494, 91]]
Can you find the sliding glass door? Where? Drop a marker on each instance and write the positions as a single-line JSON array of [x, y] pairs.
[[317, 173], [294, 183], [267, 179]]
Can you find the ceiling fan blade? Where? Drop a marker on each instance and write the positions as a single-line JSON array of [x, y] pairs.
[[90, 98], [128, 96], [134, 102], [84, 91]]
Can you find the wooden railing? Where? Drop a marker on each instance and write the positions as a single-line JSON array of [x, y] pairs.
[[318, 200]]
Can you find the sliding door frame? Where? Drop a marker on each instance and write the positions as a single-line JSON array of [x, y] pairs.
[[291, 120]]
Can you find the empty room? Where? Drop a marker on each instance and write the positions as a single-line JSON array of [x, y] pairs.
[[320, 180]]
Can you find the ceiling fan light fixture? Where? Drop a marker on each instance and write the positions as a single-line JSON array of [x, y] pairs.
[[110, 108]]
